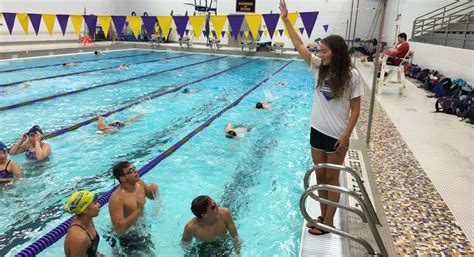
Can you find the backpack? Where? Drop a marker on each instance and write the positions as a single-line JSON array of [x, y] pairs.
[[445, 104], [439, 90], [422, 74], [414, 71]]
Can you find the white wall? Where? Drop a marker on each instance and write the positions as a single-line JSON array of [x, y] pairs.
[[409, 10], [450, 61], [334, 13], [44, 7]]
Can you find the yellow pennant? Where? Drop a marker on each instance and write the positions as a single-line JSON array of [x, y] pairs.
[[246, 34], [23, 19], [165, 24], [77, 23], [197, 22], [254, 21], [135, 24], [218, 21], [227, 33], [265, 33], [105, 22], [49, 20], [292, 17]]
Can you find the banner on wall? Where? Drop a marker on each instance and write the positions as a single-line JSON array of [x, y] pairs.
[[245, 6]]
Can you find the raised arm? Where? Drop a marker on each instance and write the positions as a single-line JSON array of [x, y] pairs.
[[295, 39], [20, 146], [150, 190]]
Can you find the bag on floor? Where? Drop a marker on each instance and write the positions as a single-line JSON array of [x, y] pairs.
[[445, 104], [423, 74], [439, 90], [414, 71], [469, 115]]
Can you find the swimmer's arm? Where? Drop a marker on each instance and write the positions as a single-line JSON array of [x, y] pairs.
[[16, 170], [20, 146], [150, 190], [42, 152], [228, 127], [232, 230], [119, 222], [188, 233], [134, 118], [79, 245]]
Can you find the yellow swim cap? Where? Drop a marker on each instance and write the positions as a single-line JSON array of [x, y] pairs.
[[78, 202]]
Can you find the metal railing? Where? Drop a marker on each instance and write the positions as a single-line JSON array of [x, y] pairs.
[[367, 214], [438, 26]]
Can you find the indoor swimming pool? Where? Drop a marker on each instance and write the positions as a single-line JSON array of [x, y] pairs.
[[180, 140]]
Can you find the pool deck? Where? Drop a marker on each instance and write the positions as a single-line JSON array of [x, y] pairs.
[[422, 181]]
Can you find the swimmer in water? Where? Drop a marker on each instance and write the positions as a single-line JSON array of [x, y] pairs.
[[115, 125]]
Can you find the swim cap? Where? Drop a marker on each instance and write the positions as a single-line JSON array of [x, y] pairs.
[[79, 201], [259, 105], [3, 147], [35, 130]]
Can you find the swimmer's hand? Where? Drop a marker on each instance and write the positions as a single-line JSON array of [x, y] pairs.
[[154, 187]]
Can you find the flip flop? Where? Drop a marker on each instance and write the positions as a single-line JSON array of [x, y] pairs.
[[323, 232], [320, 219]]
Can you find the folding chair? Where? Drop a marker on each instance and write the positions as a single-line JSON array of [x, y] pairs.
[[214, 43], [278, 46], [185, 41]]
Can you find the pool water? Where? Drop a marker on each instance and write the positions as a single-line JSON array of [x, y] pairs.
[[259, 178]]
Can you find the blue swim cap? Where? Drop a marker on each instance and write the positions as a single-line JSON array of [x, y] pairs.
[[3, 147]]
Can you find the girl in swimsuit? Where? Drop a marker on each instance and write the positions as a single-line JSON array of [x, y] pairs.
[[9, 170], [82, 238], [33, 148]]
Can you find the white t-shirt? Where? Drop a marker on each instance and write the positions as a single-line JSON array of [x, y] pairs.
[[330, 115]]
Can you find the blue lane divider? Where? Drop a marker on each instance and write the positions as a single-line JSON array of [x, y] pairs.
[[18, 105], [87, 71], [55, 234], [59, 64]]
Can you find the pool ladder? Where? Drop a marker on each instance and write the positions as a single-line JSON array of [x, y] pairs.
[[367, 214]]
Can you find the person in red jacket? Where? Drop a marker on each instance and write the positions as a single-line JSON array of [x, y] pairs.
[[399, 51]]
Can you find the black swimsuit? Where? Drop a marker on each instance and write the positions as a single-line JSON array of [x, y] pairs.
[[92, 250]]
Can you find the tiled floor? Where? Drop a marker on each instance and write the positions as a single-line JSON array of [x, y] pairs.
[[423, 165]]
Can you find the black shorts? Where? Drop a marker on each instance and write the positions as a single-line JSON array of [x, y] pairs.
[[322, 142]]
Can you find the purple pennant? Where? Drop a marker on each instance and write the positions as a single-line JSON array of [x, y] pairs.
[[301, 31], [280, 31], [223, 34], [260, 33], [186, 32], [214, 33], [181, 23], [204, 32], [10, 20], [149, 24], [326, 28], [91, 21], [271, 20], [35, 21], [235, 22], [241, 33], [119, 22], [309, 19], [62, 20]]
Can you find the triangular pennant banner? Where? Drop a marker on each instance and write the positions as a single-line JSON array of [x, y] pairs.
[[326, 28], [271, 20], [104, 21], [181, 22], [280, 31], [292, 17], [119, 23], [241, 33], [62, 20], [77, 23], [135, 24], [227, 33], [186, 32], [301, 31], [23, 19], [260, 32], [165, 24], [198, 23], [253, 21], [246, 34], [265, 33], [49, 20], [235, 22], [91, 22], [149, 24], [309, 19], [223, 34], [218, 21], [9, 20], [35, 21]]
